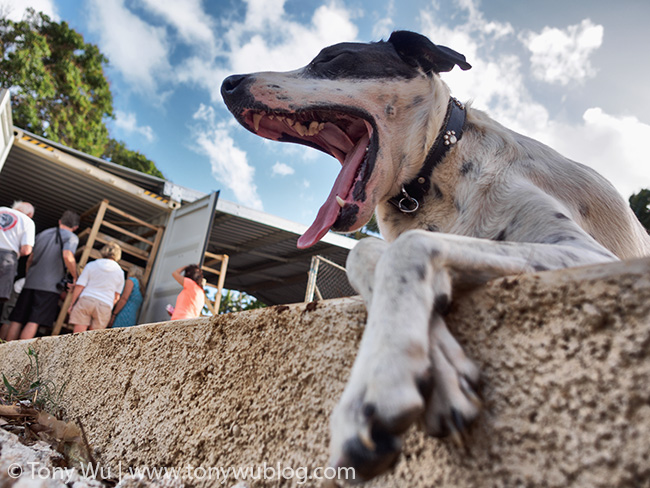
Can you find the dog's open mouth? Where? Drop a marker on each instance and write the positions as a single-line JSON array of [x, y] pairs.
[[347, 137]]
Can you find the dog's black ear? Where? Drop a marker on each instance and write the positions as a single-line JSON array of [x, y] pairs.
[[418, 51]]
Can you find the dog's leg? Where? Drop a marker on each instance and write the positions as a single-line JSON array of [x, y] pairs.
[[406, 347], [365, 423], [361, 265]]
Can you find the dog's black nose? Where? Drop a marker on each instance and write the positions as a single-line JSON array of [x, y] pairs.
[[230, 85]]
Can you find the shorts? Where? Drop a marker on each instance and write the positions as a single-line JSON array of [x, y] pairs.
[[8, 269], [92, 312], [40, 307]]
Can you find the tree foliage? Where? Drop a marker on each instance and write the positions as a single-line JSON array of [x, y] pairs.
[[56, 81], [370, 229], [236, 301], [640, 203], [117, 152], [59, 89]]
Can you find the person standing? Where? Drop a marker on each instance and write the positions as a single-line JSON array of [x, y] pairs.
[[17, 234], [97, 290], [126, 309], [52, 258], [190, 301]]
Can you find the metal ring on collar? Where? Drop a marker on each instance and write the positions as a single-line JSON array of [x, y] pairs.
[[413, 203]]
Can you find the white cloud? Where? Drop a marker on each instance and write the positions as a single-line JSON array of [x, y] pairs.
[[282, 169], [268, 40], [137, 49], [127, 122], [382, 28], [298, 46], [263, 13], [562, 56], [495, 82], [193, 25], [229, 163], [615, 146], [15, 9]]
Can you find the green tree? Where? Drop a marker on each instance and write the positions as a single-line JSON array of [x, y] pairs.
[[117, 152], [57, 82], [59, 89], [236, 301], [640, 203], [370, 229]]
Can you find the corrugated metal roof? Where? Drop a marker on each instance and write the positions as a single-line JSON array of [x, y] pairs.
[[151, 183], [146, 181], [264, 259], [43, 177]]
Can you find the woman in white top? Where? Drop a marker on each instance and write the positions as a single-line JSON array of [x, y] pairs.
[[97, 291]]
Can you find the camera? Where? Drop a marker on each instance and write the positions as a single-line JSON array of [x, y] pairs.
[[63, 284]]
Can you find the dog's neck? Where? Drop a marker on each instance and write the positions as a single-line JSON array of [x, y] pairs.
[[412, 193]]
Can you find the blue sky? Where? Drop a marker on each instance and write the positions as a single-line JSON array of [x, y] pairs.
[[572, 74]]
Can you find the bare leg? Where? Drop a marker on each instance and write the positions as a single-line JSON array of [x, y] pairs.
[[4, 330], [11, 331], [29, 331]]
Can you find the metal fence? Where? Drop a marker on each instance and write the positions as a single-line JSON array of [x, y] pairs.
[[327, 280]]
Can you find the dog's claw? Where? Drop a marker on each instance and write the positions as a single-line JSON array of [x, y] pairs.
[[366, 438], [470, 391], [457, 439], [458, 421], [369, 463]]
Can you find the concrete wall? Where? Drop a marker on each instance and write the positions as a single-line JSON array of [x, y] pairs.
[[565, 356]]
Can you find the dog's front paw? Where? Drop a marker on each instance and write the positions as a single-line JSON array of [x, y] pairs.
[[374, 411], [454, 402]]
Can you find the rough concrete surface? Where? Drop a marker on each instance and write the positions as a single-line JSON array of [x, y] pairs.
[[565, 357]]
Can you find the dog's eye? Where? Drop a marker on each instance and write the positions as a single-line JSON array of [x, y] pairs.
[[330, 65], [319, 61], [322, 61]]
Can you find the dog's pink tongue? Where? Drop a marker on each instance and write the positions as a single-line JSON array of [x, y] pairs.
[[329, 212]]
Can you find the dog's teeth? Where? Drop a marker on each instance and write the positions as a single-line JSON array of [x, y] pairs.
[[313, 128], [340, 201], [271, 117], [300, 129], [256, 121], [289, 122], [321, 126]]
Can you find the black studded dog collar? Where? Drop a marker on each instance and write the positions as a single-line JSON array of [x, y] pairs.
[[411, 194]]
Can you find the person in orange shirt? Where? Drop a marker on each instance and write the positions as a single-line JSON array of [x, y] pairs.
[[190, 301]]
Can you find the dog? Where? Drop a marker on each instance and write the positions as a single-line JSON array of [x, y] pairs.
[[459, 199]]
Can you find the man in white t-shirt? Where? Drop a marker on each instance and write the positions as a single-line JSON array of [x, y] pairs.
[[17, 233], [97, 290]]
